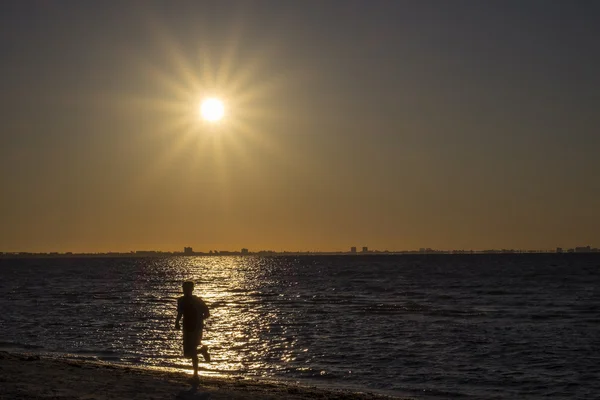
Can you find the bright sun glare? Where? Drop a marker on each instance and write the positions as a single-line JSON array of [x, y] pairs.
[[212, 110]]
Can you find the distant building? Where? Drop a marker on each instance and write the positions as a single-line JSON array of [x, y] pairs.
[[586, 249], [559, 250], [353, 249], [365, 249], [145, 252], [188, 251], [244, 251]]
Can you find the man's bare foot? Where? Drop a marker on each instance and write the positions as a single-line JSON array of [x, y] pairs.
[[204, 351]]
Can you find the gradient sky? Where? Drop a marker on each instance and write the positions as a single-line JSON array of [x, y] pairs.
[[389, 124]]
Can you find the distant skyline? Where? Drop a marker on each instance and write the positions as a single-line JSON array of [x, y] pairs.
[[389, 124], [246, 252], [352, 251]]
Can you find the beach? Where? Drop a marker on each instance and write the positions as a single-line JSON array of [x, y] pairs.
[[31, 376]]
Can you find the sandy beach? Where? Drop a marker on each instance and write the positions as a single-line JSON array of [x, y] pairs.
[[30, 376]]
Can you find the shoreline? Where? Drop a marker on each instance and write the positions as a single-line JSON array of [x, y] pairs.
[[26, 375]]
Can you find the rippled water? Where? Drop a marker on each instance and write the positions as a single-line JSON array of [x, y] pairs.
[[498, 326]]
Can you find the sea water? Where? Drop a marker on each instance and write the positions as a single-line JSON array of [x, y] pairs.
[[429, 326]]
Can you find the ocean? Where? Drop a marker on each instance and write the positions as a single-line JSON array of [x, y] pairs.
[[427, 326]]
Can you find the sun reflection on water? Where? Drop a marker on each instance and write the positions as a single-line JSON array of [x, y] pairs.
[[245, 334]]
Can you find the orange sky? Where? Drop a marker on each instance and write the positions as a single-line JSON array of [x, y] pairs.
[[358, 131]]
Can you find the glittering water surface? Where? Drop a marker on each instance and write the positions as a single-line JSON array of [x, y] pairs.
[[502, 326]]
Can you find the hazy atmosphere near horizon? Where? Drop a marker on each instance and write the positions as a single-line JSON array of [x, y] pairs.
[[389, 124]]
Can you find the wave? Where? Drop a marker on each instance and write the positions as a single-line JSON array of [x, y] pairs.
[[394, 324], [20, 345]]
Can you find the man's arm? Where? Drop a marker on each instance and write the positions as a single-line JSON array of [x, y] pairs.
[[204, 309], [179, 314]]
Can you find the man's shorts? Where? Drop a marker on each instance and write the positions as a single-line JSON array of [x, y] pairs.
[[191, 341]]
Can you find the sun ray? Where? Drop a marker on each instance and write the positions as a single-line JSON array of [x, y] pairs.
[[179, 88], [228, 60], [171, 48], [207, 74], [217, 154]]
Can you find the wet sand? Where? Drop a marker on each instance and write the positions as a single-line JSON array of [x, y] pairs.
[[29, 376]]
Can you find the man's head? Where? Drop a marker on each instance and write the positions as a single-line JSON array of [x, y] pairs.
[[188, 287]]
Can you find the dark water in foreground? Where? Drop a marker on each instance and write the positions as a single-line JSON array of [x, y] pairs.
[[475, 326]]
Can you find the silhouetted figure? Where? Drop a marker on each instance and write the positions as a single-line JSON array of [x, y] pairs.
[[194, 310]]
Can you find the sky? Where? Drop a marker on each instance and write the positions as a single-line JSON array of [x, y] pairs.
[[390, 124]]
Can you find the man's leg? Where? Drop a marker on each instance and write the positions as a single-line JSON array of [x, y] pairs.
[[189, 350], [204, 351], [197, 338], [203, 348], [195, 364]]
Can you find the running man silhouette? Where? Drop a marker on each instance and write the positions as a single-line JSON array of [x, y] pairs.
[[193, 310]]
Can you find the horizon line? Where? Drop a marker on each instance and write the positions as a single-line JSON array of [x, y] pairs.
[[188, 251]]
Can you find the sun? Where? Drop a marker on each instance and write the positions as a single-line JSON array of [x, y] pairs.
[[212, 110]]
